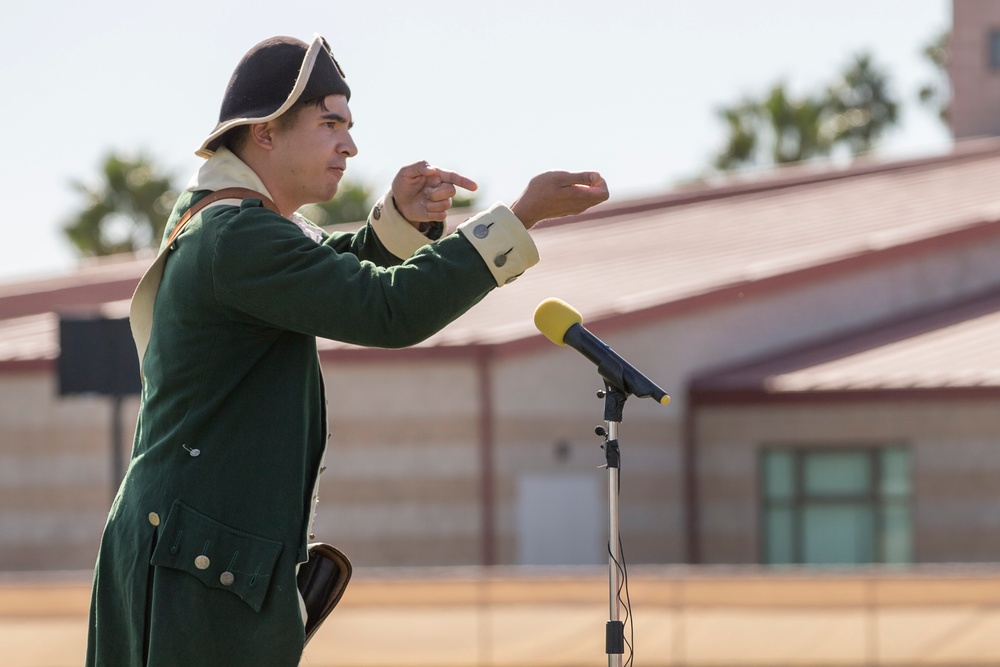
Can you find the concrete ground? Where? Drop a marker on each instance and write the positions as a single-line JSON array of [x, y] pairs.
[[682, 617]]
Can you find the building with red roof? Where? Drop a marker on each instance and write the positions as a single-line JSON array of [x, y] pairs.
[[828, 334]]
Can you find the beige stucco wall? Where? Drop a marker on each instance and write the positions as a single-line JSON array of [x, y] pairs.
[[975, 87], [404, 481], [55, 473], [403, 485], [955, 457], [400, 487]]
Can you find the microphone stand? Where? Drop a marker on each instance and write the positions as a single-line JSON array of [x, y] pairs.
[[614, 404]]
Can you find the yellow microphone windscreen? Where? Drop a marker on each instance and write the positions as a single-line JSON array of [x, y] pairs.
[[554, 317]]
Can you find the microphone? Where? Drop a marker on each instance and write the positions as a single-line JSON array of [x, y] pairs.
[[563, 325]]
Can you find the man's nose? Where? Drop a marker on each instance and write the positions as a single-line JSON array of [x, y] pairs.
[[349, 148]]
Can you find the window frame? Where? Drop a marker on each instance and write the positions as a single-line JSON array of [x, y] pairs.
[[873, 497], [993, 46]]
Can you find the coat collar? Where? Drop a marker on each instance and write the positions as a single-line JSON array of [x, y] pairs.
[[225, 170]]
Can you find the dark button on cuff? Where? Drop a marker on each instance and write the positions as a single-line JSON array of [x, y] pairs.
[[500, 259], [377, 212]]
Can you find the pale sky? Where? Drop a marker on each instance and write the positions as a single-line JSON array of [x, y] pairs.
[[498, 91]]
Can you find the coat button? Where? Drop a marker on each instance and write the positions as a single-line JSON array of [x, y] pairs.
[[377, 212], [154, 518], [202, 562], [481, 231], [226, 578], [500, 259]]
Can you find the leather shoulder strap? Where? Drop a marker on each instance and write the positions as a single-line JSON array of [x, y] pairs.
[[218, 195]]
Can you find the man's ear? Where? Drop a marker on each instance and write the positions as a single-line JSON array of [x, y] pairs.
[[262, 134]]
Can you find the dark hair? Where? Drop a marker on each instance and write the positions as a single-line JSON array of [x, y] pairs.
[[236, 138]]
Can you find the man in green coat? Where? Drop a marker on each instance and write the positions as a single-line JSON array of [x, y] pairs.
[[198, 560]]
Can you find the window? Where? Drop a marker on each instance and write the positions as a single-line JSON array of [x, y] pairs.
[[848, 505], [995, 50]]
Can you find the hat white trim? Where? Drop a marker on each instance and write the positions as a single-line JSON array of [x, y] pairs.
[[308, 62]]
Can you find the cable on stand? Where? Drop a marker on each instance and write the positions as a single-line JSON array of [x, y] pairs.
[[614, 641]]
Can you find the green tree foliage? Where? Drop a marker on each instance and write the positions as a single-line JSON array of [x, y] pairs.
[[853, 112], [126, 211], [774, 130], [463, 201], [861, 106], [352, 203], [936, 94]]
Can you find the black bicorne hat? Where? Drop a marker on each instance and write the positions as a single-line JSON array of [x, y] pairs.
[[270, 78]]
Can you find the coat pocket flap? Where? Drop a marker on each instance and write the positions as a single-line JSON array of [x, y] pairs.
[[217, 555]]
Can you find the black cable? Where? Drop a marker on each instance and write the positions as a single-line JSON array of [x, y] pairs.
[[626, 604]]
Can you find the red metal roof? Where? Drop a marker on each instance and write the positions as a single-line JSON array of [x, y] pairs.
[[95, 283], [663, 254], [955, 348]]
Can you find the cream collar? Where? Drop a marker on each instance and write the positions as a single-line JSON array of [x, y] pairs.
[[225, 170]]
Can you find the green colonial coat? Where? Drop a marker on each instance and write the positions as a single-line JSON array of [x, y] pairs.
[[198, 559]]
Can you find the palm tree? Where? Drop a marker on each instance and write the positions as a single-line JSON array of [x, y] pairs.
[[743, 122], [780, 128], [125, 212], [351, 204], [937, 94], [776, 130], [862, 106], [795, 127]]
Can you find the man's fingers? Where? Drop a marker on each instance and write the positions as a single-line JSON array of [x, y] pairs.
[[438, 206], [597, 188], [580, 178], [456, 179], [435, 177], [415, 170], [437, 216], [440, 193]]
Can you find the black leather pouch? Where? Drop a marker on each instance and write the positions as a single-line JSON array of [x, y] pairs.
[[321, 581]]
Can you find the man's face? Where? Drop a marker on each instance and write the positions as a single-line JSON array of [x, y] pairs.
[[311, 154]]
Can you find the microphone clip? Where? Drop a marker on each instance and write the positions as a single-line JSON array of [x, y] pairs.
[[614, 402]]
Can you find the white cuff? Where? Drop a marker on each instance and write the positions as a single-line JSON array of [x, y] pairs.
[[502, 241], [394, 231]]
